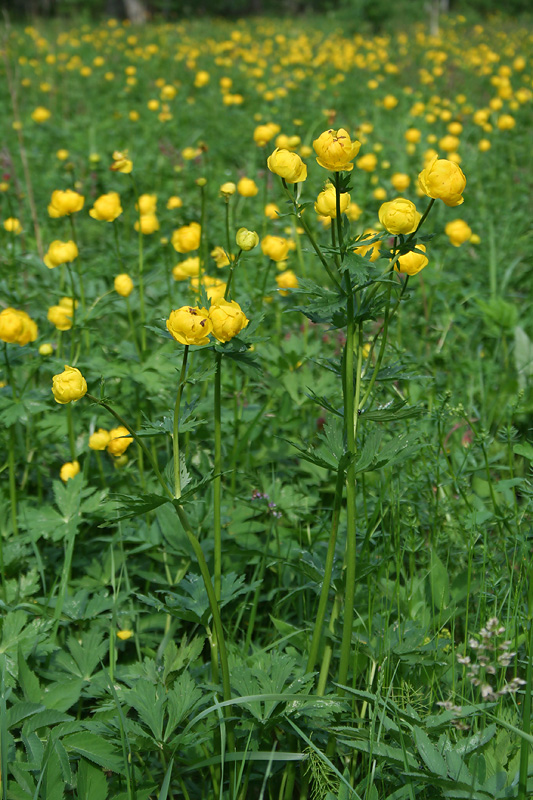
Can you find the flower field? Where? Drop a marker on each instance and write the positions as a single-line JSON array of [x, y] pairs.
[[266, 400]]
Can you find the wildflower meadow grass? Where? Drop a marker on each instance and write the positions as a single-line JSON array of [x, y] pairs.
[[266, 406]]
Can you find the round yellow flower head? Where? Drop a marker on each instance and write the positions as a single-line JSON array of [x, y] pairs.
[[227, 189], [12, 225], [335, 150], [17, 327], [121, 162], [506, 122], [400, 181], [368, 162], [275, 247], [287, 165], [62, 154], [64, 203], [220, 256], [246, 239], [399, 216], [264, 133], [60, 317], [412, 262], [190, 325], [374, 248], [123, 285], [60, 253], [214, 287], [227, 318], [286, 280], [412, 135], [353, 212], [186, 269], [458, 232], [147, 204], [148, 223], [40, 114], [124, 635], [69, 470], [201, 78], [107, 207], [174, 202], [46, 349], [271, 211], [119, 440], [247, 187], [326, 202], [443, 180], [69, 385], [99, 439], [390, 102], [187, 238]]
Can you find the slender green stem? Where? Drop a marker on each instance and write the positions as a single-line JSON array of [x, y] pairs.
[[381, 353], [141, 270], [338, 217], [328, 649], [328, 570], [12, 480], [10, 375], [78, 263], [203, 239], [217, 481], [71, 436], [233, 265], [255, 602], [525, 746], [175, 434]]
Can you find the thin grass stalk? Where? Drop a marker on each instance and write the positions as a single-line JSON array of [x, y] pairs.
[[175, 434]]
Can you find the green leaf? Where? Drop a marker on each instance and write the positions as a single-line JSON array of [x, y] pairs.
[[29, 683], [62, 695], [523, 354], [52, 784], [92, 783], [182, 699], [431, 757], [174, 658], [97, 749], [136, 505], [525, 450], [439, 582], [149, 702]]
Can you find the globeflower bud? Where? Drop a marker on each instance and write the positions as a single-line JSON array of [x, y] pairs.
[[399, 216], [121, 162], [12, 225], [326, 202], [287, 165], [63, 204], [17, 327], [458, 232], [187, 238], [60, 253], [107, 207], [443, 180], [123, 285], [335, 150], [119, 440], [227, 189], [69, 470], [99, 439], [275, 247], [46, 349], [412, 262], [190, 325], [69, 386], [286, 280], [246, 239], [227, 318], [247, 187]]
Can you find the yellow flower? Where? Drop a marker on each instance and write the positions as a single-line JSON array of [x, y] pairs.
[[60, 253], [148, 223], [264, 133], [46, 349], [69, 470], [399, 216], [201, 78], [214, 287], [505, 122], [220, 256], [412, 135], [17, 327], [271, 211], [124, 635], [99, 439], [40, 114], [247, 187], [69, 385], [62, 154], [246, 239], [119, 440], [227, 189], [286, 280], [443, 180], [147, 204], [190, 325], [123, 285], [390, 102], [458, 232], [186, 269], [326, 202], [228, 319], [368, 162], [12, 225], [107, 207], [61, 317], [287, 165], [335, 150], [187, 238], [275, 247], [121, 162], [400, 181], [174, 202], [353, 212], [363, 249], [64, 203], [412, 262]]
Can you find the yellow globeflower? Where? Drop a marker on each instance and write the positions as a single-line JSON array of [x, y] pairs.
[[363, 249], [60, 253], [12, 225], [64, 203], [220, 256], [335, 150], [121, 162], [227, 318], [69, 385], [399, 216], [458, 232], [17, 327], [275, 247], [123, 285], [174, 202], [119, 440], [186, 269], [69, 470], [99, 439], [264, 133], [506, 122], [148, 223], [187, 238], [286, 280], [227, 189], [40, 114], [400, 181], [190, 325], [443, 180], [326, 202], [107, 207], [247, 187], [412, 262], [287, 165], [367, 163], [271, 211], [147, 204], [246, 239]]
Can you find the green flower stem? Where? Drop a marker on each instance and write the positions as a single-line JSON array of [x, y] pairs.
[[328, 569], [255, 603], [268, 270], [138, 439], [74, 315], [132, 328], [328, 649], [141, 270], [71, 437], [12, 481], [203, 239], [10, 375], [526, 704], [305, 226], [175, 433], [338, 217], [232, 268], [114, 225], [217, 481], [383, 344], [227, 217], [78, 263]]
